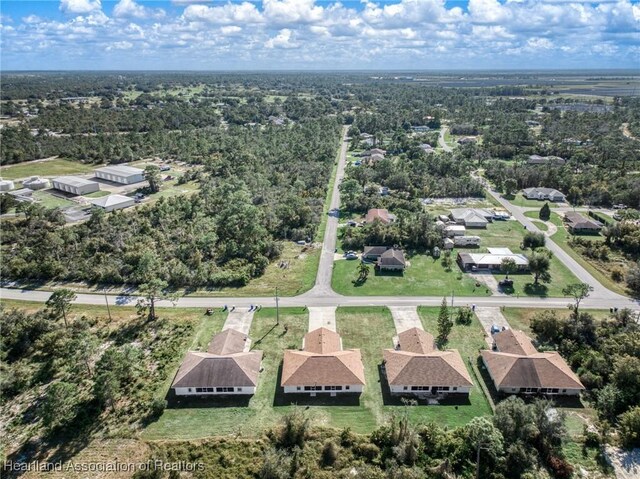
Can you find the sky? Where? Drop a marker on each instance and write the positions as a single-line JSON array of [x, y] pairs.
[[319, 35]]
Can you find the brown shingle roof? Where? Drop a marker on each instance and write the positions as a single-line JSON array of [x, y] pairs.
[[210, 370], [416, 340], [576, 220], [378, 214], [322, 341], [392, 257], [514, 342], [539, 370], [228, 341], [438, 368], [302, 368]]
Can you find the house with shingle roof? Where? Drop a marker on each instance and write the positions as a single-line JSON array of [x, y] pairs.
[[391, 260], [516, 367], [322, 366], [579, 224], [379, 214], [227, 368], [472, 217], [550, 194], [416, 367]]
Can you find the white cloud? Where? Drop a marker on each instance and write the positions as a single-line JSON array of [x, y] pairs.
[[131, 9], [80, 6], [244, 12], [281, 40], [120, 46]]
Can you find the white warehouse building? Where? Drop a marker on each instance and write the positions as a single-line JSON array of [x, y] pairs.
[[6, 185], [75, 185], [113, 202], [123, 174]]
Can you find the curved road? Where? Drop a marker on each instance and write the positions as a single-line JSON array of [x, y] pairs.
[[322, 294], [441, 142]]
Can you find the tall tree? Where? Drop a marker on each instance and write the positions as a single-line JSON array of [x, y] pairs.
[[445, 323], [545, 212], [60, 303], [153, 291], [578, 291], [153, 175], [539, 264], [508, 266]]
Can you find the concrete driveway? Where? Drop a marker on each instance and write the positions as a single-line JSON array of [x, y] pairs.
[[239, 320], [488, 317], [322, 317], [405, 317]]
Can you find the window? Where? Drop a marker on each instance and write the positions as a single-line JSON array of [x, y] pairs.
[[441, 388], [198, 390], [298, 388], [455, 388], [347, 387], [564, 390], [313, 388], [239, 389], [420, 388], [405, 388], [333, 388], [224, 390], [189, 389], [555, 390]]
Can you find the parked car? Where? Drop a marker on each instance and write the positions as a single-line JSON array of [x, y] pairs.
[[495, 329], [506, 283], [165, 168], [301, 242], [351, 255]]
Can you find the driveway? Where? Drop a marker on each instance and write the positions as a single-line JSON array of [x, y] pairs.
[[405, 317], [489, 280], [239, 320], [322, 317], [625, 463], [488, 316]]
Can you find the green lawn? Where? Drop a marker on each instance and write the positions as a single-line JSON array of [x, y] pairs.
[[535, 218], [599, 272], [468, 340], [510, 234], [57, 167], [424, 277], [520, 200], [50, 201]]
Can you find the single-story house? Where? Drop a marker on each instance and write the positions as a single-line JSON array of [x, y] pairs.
[[426, 147], [379, 214], [372, 253], [373, 151], [542, 194], [491, 260], [545, 160], [465, 140], [391, 260], [6, 185], [579, 224], [420, 128], [123, 174], [516, 367], [36, 183], [416, 367], [113, 202], [74, 185], [227, 368], [472, 217], [454, 230], [322, 366], [370, 160]]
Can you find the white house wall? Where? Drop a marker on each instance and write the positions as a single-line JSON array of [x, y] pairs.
[[401, 390], [192, 392], [357, 388]]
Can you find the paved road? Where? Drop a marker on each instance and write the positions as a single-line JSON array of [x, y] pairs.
[[576, 268], [441, 142], [322, 294]]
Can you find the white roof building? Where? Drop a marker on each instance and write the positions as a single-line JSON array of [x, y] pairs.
[[75, 185], [6, 185], [472, 217], [113, 202], [123, 174], [36, 183], [491, 260]]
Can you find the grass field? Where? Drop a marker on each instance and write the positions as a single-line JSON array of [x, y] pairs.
[[424, 277], [535, 218], [50, 201], [57, 167]]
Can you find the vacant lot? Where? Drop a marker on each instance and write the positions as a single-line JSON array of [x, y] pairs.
[[57, 167], [423, 277], [520, 318]]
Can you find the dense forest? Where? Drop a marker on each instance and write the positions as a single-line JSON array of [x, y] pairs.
[[257, 188]]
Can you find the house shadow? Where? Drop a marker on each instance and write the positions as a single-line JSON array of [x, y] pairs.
[[392, 273], [321, 399], [198, 402], [389, 399]]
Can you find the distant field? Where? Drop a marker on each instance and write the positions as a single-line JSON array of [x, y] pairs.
[[57, 167]]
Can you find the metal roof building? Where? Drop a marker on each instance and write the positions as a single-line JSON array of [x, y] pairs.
[[123, 174], [75, 185], [113, 202]]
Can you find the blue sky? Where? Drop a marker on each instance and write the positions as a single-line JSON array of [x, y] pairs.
[[308, 34]]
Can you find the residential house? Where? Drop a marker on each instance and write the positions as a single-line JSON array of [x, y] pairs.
[[454, 230], [322, 366], [491, 260], [416, 367], [378, 214], [372, 253], [516, 367], [465, 140], [579, 224], [227, 368], [391, 260], [472, 217], [543, 194]]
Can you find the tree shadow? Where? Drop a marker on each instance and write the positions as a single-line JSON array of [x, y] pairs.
[[532, 289], [280, 398]]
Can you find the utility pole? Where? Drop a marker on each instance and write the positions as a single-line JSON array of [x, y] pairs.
[[277, 308], [452, 295], [106, 300]]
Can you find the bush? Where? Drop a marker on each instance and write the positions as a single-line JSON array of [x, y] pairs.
[[629, 425], [533, 240], [329, 453], [157, 407], [367, 451], [560, 468], [464, 316], [617, 274]]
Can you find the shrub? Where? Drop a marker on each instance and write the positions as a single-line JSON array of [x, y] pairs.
[[329, 453], [157, 407], [367, 451], [629, 425], [617, 274], [464, 316], [560, 468]]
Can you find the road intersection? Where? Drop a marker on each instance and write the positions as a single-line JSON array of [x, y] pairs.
[[322, 295]]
